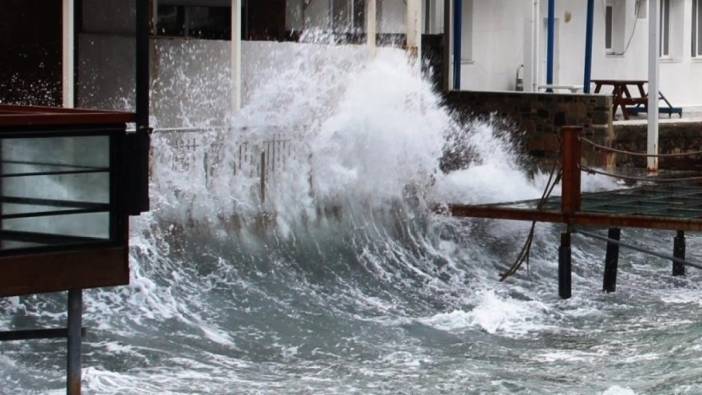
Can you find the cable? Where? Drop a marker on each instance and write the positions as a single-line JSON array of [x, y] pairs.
[[633, 178], [641, 154], [525, 252]]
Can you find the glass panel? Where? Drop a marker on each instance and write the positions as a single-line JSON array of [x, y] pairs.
[[55, 191]]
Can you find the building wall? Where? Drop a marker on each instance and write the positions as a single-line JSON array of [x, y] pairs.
[[497, 39], [501, 39]]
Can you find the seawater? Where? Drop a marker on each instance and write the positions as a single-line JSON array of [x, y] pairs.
[[351, 283]]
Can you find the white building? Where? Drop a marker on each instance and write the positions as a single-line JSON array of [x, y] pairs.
[[499, 36]]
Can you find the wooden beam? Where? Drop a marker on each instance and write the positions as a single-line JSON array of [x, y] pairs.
[[63, 270]]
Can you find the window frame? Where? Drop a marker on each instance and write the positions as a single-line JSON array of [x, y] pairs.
[[664, 50], [696, 50], [609, 28]]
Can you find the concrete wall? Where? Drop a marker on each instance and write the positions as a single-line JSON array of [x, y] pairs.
[[538, 116], [674, 138], [501, 38]]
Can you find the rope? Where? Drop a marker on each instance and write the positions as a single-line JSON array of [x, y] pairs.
[[525, 252], [640, 154], [639, 249], [634, 178]]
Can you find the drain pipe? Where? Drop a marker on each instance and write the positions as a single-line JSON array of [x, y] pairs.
[[588, 45], [457, 44], [551, 42]]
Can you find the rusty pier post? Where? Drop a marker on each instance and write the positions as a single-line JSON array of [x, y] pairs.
[[570, 203], [611, 261], [75, 312], [679, 252]]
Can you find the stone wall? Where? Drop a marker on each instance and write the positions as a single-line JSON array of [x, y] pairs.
[[674, 137], [537, 116]]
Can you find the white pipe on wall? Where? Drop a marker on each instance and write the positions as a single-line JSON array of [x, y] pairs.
[[68, 54]]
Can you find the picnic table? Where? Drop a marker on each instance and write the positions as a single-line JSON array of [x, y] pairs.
[[622, 97]]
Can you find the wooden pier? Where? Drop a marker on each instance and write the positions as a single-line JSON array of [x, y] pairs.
[[673, 204]]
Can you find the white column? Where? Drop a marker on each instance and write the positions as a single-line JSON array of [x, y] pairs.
[[414, 28], [653, 78], [371, 24], [535, 44], [236, 55], [68, 53]]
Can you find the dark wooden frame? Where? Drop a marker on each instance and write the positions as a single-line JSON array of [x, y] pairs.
[[82, 265]]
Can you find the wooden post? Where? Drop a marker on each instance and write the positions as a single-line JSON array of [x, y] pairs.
[[611, 261], [565, 267], [679, 252], [570, 162]]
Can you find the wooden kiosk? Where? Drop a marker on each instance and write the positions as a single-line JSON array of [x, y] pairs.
[[69, 180]]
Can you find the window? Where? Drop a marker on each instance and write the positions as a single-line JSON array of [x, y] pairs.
[[194, 21], [696, 28], [615, 26], [664, 48], [609, 25]]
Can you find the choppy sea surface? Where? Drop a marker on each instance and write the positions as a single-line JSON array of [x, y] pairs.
[[345, 280]]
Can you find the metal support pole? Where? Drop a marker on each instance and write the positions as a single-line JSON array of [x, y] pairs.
[[457, 42], [414, 29], [679, 252], [68, 54], [447, 46], [535, 50], [139, 143], [653, 77], [142, 64], [75, 313], [611, 261], [588, 45], [565, 267], [551, 40], [371, 25], [236, 55]]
